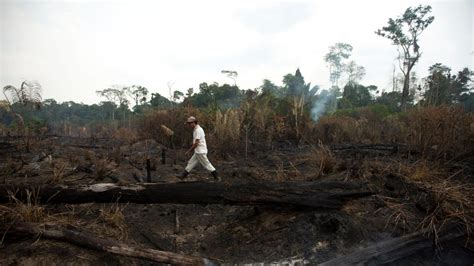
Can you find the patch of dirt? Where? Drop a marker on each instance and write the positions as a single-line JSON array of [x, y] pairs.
[[233, 234]]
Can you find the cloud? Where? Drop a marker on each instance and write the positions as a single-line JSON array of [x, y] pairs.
[[75, 48], [275, 17]]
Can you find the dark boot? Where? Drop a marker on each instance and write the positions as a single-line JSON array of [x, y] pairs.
[[216, 177], [183, 175]]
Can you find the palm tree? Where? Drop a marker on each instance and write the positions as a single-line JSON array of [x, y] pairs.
[[29, 93]]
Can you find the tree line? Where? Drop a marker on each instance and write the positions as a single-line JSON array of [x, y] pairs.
[[122, 103]]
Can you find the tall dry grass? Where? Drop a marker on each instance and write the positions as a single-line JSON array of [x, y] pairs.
[[227, 130], [442, 131], [155, 125]]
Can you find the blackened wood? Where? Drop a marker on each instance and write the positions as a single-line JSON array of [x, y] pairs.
[[318, 194], [395, 249], [148, 170], [106, 244], [163, 156]]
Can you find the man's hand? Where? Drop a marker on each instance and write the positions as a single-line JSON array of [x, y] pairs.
[[192, 147]]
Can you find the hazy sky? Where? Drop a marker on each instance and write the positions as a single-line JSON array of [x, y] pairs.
[[73, 48]]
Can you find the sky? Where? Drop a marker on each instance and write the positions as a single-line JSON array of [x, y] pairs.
[[74, 48]]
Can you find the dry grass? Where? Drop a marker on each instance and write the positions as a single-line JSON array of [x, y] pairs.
[[447, 202], [110, 220], [439, 131], [174, 120], [431, 199], [280, 172], [227, 127], [10, 167], [126, 135], [422, 171], [29, 211], [102, 166], [58, 169], [401, 216], [453, 204], [113, 218], [323, 159]]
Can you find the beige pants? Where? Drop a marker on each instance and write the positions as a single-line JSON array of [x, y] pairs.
[[202, 159]]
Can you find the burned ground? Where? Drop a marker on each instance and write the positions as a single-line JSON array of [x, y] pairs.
[[410, 193]]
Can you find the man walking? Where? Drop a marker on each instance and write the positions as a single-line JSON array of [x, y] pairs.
[[199, 148]]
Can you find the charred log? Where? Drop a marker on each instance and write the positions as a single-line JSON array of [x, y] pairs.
[[394, 249], [314, 195], [106, 244]]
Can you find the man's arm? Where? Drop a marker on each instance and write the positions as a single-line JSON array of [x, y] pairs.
[[195, 144]]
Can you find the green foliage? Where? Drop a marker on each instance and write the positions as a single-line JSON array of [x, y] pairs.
[[334, 58], [467, 101], [294, 85], [217, 96], [138, 93], [267, 113], [28, 93], [390, 99], [157, 100], [354, 72], [376, 111], [116, 94], [269, 88], [177, 95], [356, 95], [404, 32], [444, 88], [405, 29]]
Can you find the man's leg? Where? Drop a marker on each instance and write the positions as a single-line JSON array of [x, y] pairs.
[[202, 158], [191, 164]]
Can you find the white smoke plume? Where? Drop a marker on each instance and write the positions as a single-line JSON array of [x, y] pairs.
[[322, 103]]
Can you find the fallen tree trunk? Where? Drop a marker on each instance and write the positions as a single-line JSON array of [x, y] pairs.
[[394, 249], [323, 195], [106, 244], [391, 147]]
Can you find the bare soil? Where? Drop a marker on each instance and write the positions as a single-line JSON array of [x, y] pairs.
[[230, 234]]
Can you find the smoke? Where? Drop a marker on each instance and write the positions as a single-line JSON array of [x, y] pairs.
[[321, 105]]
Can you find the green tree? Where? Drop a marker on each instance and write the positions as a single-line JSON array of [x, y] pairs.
[[177, 95], [467, 101], [157, 100], [269, 88], [335, 60], [293, 84], [138, 93], [21, 100], [117, 95], [356, 95], [300, 97], [441, 87], [404, 32], [29, 92], [217, 96], [189, 92], [355, 73], [390, 99]]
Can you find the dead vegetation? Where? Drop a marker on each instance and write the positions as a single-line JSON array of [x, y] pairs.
[[420, 173]]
